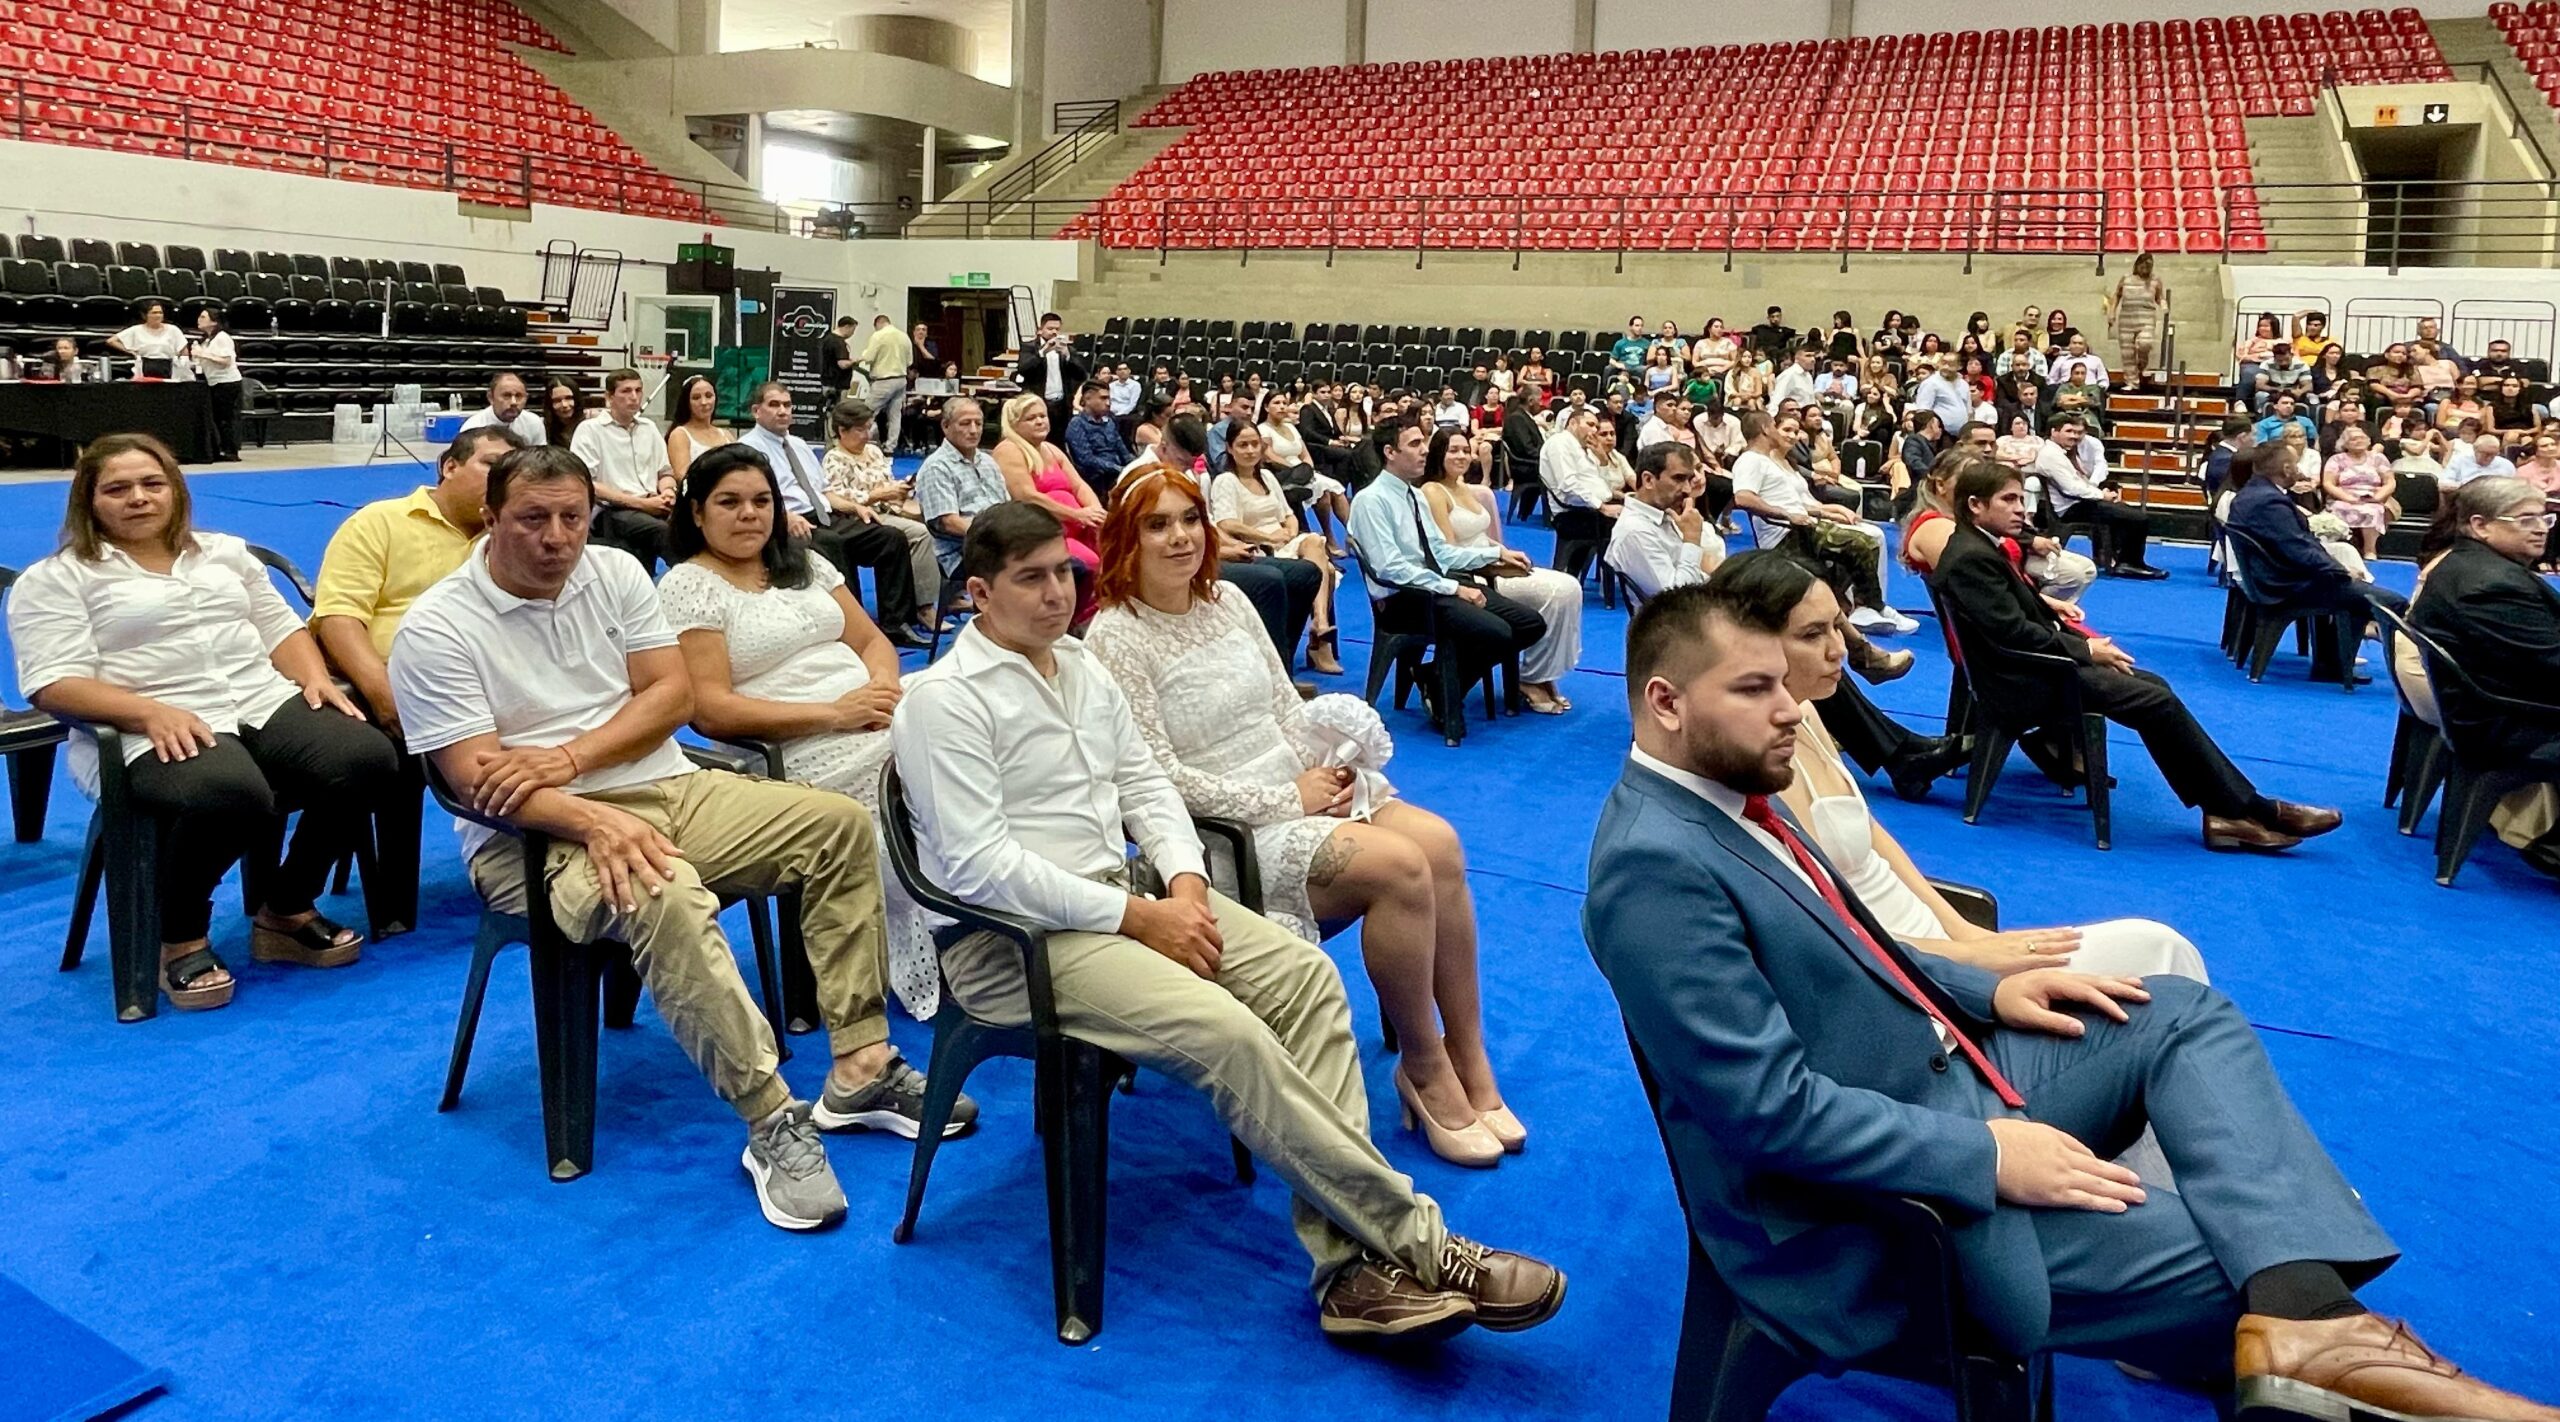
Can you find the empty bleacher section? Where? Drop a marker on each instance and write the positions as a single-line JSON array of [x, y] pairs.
[[2533, 32], [409, 93], [2108, 137]]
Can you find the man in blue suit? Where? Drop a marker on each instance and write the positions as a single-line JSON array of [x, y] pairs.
[[1802, 1054], [2287, 563]]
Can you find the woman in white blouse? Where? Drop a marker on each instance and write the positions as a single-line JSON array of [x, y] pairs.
[[1286, 453], [1466, 518], [779, 651], [152, 340], [1247, 504], [227, 715], [1215, 705], [701, 430], [858, 472]]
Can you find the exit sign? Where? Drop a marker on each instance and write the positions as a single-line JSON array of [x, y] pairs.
[[972, 279]]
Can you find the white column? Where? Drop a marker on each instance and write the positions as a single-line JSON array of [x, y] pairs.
[[1030, 77], [697, 27], [932, 165]]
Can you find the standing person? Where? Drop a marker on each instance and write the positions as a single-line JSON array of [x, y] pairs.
[[543, 681], [226, 710], [2136, 311], [925, 350], [887, 359], [1050, 370], [835, 361], [635, 485], [700, 430], [851, 537], [859, 474], [154, 344], [1468, 517], [506, 409], [1188, 983], [1409, 566], [1793, 1039], [217, 363]]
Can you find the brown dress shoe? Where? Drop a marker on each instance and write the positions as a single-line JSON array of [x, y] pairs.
[[1511, 1291], [2220, 833], [1378, 1300], [2306, 821], [2367, 1366]]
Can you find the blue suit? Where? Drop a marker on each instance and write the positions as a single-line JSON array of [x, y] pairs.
[[1792, 1068]]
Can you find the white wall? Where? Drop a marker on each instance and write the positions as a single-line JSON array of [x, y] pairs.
[[1430, 29], [136, 198], [1641, 24], [1097, 49], [1202, 35], [654, 18]]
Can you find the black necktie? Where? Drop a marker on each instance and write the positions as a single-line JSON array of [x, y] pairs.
[[1421, 531]]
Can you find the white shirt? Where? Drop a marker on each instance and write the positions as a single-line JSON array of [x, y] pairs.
[[2465, 466], [471, 658], [1719, 437], [1652, 432], [1451, 416], [168, 343], [216, 361], [803, 487], [627, 458], [1648, 551], [1794, 383], [1779, 487], [197, 637], [1057, 386], [2088, 369], [2071, 477], [527, 425], [1024, 787], [1571, 475]]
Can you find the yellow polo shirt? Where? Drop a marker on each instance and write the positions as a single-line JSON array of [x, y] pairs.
[[381, 558], [888, 354]]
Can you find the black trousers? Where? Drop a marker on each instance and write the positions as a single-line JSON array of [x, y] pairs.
[[1283, 593], [226, 418], [849, 543], [2355, 601], [642, 535], [1480, 637], [1839, 494], [1719, 496], [2125, 529], [2194, 766], [330, 766], [1866, 735]]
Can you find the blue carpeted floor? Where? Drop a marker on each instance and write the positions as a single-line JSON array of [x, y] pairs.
[[263, 1201]]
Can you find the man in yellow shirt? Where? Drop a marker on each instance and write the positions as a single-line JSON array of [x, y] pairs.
[[886, 358], [388, 552]]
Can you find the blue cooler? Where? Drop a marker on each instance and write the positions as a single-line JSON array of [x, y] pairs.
[[440, 429]]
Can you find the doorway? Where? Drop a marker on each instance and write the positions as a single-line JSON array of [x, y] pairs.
[[968, 326]]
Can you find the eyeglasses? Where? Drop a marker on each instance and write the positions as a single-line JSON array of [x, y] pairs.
[[2539, 523]]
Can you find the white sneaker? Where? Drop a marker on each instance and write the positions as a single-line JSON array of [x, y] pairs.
[[1883, 620]]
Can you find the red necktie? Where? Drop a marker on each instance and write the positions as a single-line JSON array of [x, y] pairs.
[[1756, 809]]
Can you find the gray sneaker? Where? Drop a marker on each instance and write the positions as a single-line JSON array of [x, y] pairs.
[[893, 1103], [788, 1164]]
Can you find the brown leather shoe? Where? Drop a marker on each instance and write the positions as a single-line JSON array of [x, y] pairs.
[[1511, 1291], [2367, 1366], [2306, 821], [2220, 833], [1377, 1300]]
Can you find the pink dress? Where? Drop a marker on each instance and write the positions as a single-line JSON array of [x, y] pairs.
[[2361, 479], [1058, 482]]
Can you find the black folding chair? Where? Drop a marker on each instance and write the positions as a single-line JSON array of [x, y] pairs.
[[1072, 1083], [1996, 726], [2418, 751], [1582, 535], [2474, 784], [2329, 636], [28, 738], [1403, 652]]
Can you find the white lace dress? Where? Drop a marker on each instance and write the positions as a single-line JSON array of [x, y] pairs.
[[1215, 705], [787, 644], [1553, 594]]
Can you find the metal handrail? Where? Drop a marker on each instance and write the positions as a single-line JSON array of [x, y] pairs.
[[2508, 217], [2516, 126], [1101, 124]]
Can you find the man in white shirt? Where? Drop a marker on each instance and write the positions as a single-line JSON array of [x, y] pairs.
[[1661, 540], [851, 536], [635, 485], [1796, 382], [1831, 539], [1573, 476], [506, 409], [1125, 392], [1655, 429], [1945, 394], [2073, 467], [2076, 366], [1028, 778], [542, 681], [2482, 458]]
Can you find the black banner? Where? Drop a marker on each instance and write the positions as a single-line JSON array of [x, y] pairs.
[[802, 316]]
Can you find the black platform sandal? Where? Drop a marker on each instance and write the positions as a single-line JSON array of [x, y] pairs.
[[182, 974], [318, 943]]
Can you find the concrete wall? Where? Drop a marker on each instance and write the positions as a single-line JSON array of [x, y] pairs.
[[1203, 35], [1638, 24], [654, 18], [766, 80], [1428, 29], [133, 197], [1097, 49]]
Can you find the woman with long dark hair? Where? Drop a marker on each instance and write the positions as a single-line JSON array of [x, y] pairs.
[[698, 429], [560, 411]]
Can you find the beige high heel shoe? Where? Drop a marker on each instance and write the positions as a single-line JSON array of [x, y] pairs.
[[1469, 1145], [1505, 1128]]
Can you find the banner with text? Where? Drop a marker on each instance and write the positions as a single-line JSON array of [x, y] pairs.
[[802, 316]]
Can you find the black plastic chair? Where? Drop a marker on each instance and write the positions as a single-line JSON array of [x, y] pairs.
[[2265, 619], [2418, 751], [1995, 727], [1236, 837], [2473, 786], [1072, 1084], [1582, 535], [763, 759], [28, 738], [1402, 652], [569, 979]]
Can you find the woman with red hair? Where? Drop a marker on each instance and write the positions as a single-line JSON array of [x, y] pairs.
[[1216, 706]]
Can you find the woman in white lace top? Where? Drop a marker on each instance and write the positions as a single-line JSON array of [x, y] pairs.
[[1215, 705], [780, 652]]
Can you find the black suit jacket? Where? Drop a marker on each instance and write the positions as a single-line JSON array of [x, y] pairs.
[[1031, 372], [1316, 426], [2295, 567], [1999, 614], [2500, 624]]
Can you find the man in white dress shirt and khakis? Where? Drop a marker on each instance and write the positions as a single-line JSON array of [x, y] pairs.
[[635, 485], [1027, 778]]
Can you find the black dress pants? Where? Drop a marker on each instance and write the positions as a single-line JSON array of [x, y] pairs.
[[1866, 735], [1479, 637], [1719, 496], [226, 418], [2194, 766], [327, 764], [850, 544], [1283, 593], [640, 534], [2125, 529]]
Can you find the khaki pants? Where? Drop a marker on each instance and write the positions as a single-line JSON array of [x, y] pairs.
[[738, 836], [1269, 1041]]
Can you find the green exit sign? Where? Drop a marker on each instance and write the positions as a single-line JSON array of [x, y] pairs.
[[972, 279]]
